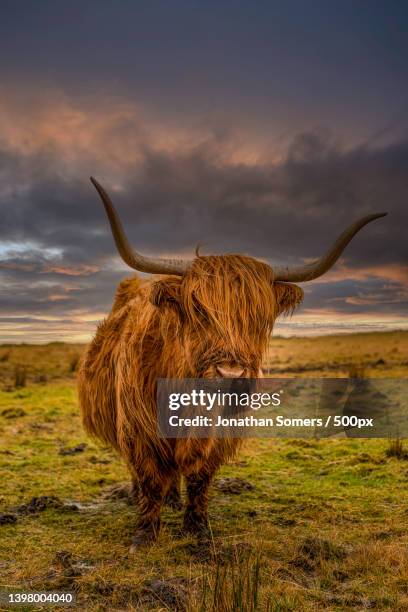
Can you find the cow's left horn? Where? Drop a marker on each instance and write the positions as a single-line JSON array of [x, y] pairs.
[[308, 272], [133, 259]]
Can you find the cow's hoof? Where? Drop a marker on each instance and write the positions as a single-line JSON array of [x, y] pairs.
[[142, 539]]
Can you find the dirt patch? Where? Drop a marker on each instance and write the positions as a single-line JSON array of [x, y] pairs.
[[63, 574], [283, 521], [233, 486], [99, 460], [40, 427], [66, 563], [120, 492], [316, 548], [201, 551], [124, 596], [105, 589], [43, 502], [39, 504], [171, 593], [303, 443], [366, 458], [386, 535], [7, 518], [73, 450], [312, 551], [13, 413]]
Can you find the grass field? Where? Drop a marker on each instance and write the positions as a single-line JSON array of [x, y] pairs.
[[296, 524]]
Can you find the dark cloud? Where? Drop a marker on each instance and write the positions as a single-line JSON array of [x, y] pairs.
[[371, 297], [283, 211], [286, 65], [171, 200]]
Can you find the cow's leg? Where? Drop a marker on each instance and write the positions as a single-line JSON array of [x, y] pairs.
[[152, 491], [173, 497], [195, 517]]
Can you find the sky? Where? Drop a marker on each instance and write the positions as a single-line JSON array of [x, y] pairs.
[[263, 128]]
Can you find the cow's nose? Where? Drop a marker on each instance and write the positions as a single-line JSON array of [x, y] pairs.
[[230, 370]]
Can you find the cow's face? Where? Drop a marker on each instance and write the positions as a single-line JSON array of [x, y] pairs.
[[226, 307]]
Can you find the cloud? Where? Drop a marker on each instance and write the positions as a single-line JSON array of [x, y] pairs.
[[80, 270], [180, 185], [393, 272]]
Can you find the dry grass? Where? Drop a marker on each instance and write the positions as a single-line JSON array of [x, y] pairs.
[[396, 449], [378, 355], [324, 526]]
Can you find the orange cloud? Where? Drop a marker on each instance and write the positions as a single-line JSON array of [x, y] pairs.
[[112, 132], [81, 270], [341, 272], [56, 297]]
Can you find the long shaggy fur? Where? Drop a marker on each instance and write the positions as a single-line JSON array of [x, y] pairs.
[[222, 310]]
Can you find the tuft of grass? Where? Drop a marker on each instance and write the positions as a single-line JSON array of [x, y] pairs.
[[233, 584], [396, 449]]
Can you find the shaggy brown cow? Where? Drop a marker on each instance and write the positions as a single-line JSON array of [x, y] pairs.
[[211, 317]]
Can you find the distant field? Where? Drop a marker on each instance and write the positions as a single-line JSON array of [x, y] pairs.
[[297, 525], [374, 354]]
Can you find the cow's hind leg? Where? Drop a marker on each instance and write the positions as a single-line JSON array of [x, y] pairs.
[[152, 491]]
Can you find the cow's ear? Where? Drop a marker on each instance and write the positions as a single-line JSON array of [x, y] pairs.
[[288, 296], [166, 292]]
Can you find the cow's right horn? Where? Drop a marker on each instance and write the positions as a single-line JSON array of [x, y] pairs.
[[133, 259]]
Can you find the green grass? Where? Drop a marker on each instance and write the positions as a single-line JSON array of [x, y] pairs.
[[325, 527]]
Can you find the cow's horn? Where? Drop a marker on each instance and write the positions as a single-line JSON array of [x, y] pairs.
[[133, 259], [308, 272]]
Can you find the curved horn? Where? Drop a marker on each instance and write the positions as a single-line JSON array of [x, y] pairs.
[[133, 259], [299, 274]]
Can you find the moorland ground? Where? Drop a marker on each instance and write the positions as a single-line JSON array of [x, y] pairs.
[[296, 524]]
